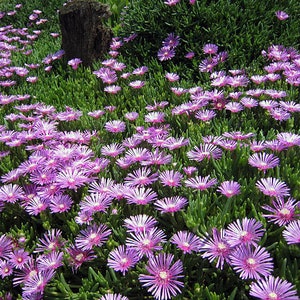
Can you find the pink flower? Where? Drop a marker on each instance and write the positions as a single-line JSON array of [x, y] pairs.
[[229, 188], [122, 259], [162, 278], [115, 126], [186, 241], [74, 63], [253, 263], [273, 187], [281, 15]]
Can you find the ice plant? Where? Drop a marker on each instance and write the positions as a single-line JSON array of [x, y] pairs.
[[122, 259], [229, 188], [249, 262], [216, 247], [273, 187], [163, 278], [291, 232], [273, 288], [263, 161], [186, 241], [281, 212], [244, 232]]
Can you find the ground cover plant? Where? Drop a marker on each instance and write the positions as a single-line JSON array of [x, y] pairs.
[[169, 174]]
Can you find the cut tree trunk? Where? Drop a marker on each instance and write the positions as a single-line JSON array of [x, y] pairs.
[[84, 35]]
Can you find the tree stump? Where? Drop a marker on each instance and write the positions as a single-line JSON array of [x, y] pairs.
[[84, 35]]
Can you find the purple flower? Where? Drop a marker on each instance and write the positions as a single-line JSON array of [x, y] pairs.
[[95, 202], [6, 268], [71, 178], [204, 151], [170, 178], [165, 53], [171, 41], [79, 256], [273, 288], [112, 150], [186, 241], [140, 196], [291, 232], [146, 243], [171, 204], [50, 261], [210, 49], [94, 235], [115, 126], [282, 212], [172, 77], [216, 247], [140, 223], [140, 177], [247, 232], [137, 84], [229, 188], [60, 203], [6, 246], [18, 258], [162, 281], [273, 187], [263, 161], [251, 263], [52, 240], [122, 259], [113, 297], [281, 15], [200, 183], [74, 63], [112, 89]]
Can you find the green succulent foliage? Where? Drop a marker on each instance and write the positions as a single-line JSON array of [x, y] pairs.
[[243, 28]]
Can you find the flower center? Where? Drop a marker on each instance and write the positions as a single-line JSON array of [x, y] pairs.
[[272, 296], [251, 262], [163, 275]]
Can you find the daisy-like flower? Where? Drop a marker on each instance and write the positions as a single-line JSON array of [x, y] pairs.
[[11, 193], [140, 196], [74, 63], [200, 183], [140, 223], [18, 258], [78, 256], [113, 297], [229, 188], [131, 116], [165, 53], [137, 84], [115, 126], [112, 150], [238, 136], [281, 15], [6, 268], [205, 115], [93, 235], [216, 247], [36, 284], [140, 71], [171, 204], [140, 177], [95, 202], [145, 243], [234, 107], [251, 263], [210, 49], [174, 143], [247, 232], [36, 205], [273, 288], [172, 77], [155, 117], [122, 259], [291, 232], [282, 212], [263, 161], [186, 241], [50, 261], [71, 178], [112, 89], [170, 178], [289, 139], [162, 280], [6, 246], [51, 241], [204, 151], [60, 203], [171, 41], [138, 154], [273, 187], [157, 158]]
